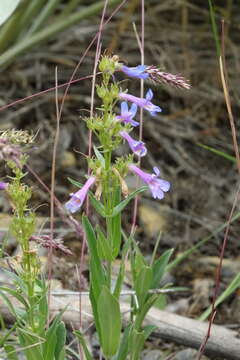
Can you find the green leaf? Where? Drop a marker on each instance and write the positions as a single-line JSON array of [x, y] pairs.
[[7, 7], [15, 294], [96, 203], [121, 273], [51, 337], [143, 311], [124, 345], [97, 275], [137, 343], [137, 261], [61, 340], [159, 267], [116, 225], [83, 343], [99, 156], [117, 209], [11, 352], [103, 246], [219, 152], [161, 302], [50, 345], [43, 313], [110, 322], [148, 329], [119, 282], [95, 312], [214, 28], [9, 304], [31, 344], [235, 284], [142, 284]]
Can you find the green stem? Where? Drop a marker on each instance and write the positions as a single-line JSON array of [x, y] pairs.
[[52, 30]]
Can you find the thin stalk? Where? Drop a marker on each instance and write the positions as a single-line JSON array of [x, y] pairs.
[[52, 30], [141, 48], [53, 176]]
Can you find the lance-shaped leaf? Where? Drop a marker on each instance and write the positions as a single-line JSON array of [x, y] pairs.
[[124, 203], [159, 267], [84, 345], [110, 322], [96, 270], [103, 246], [142, 284]]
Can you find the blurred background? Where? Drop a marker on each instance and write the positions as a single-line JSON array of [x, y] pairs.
[[178, 39]]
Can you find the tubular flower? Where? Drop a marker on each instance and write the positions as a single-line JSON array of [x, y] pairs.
[[157, 186], [138, 147], [144, 103], [137, 72], [3, 185], [77, 199], [128, 115]]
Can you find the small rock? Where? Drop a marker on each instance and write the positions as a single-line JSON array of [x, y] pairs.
[[187, 354], [152, 355]]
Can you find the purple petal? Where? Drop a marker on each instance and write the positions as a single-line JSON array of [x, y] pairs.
[[156, 170], [149, 95], [133, 110], [165, 185], [124, 108], [157, 193], [134, 123], [154, 110]]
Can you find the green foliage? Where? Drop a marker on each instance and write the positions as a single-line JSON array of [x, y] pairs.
[[159, 268], [83, 344], [19, 34], [235, 284], [110, 322], [220, 153], [97, 276]]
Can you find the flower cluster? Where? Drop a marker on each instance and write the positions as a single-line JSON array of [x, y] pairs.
[[112, 129]]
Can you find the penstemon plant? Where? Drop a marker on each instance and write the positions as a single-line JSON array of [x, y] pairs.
[[107, 174], [27, 296], [33, 333]]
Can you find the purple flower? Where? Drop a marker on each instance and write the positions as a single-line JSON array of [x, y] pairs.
[[157, 186], [138, 147], [137, 72], [78, 197], [3, 185], [127, 115], [144, 103]]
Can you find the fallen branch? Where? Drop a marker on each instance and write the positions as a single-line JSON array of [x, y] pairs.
[[223, 342]]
